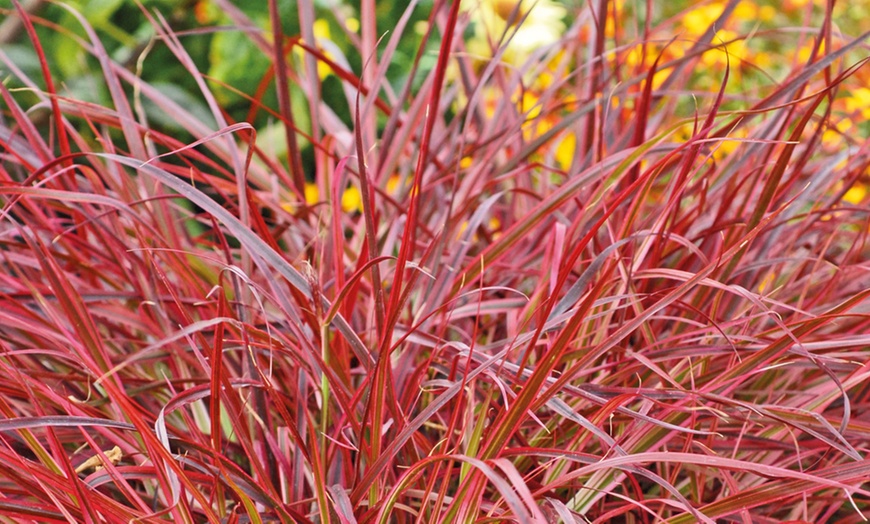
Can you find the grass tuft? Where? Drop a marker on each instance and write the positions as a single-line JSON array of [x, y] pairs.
[[507, 261]]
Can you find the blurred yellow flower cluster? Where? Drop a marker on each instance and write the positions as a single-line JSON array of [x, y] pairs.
[[351, 197], [522, 26], [519, 29], [728, 46], [540, 120]]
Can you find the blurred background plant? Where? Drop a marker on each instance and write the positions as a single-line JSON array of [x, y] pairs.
[[521, 34]]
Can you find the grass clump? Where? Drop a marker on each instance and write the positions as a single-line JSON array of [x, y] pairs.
[[509, 261]]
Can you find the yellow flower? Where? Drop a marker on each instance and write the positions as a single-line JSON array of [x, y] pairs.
[[855, 195], [352, 24], [745, 11], [321, 34], [351, 200], [859, 101], [684, 133], [832, 136], [494, 226], [565, 151], [312, 193], [729, 144], [393, 184], [806, 50], [321, 29], [762, 60], [767, 13], [635, 57], [698, 20], [790, 5], [504, 8], [536, 124], [726, 41], [535, 24], [312, 197]]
